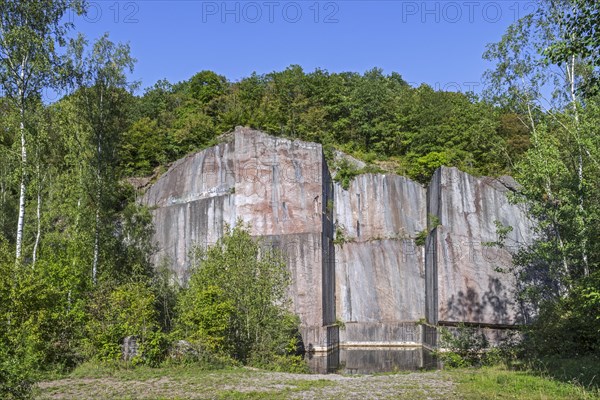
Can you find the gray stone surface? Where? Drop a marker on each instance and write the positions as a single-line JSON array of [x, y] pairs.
[[277, 186], [376, 281], [129, 348], [469, 280], [380, 271], [380, 206]]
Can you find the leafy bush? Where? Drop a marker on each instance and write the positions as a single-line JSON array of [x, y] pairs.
[[570, 325], [16, 373], [345, 172], [340, 237], [236, 303], [205, 313], [462, 347], [424, 167], [127, 310]]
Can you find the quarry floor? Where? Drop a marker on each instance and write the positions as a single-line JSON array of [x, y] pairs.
[[247, 383]]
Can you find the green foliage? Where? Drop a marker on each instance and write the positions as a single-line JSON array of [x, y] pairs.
[[372, 116], [144, 147], [340, 236], [340, 324], [204, 316], [84, 280], [425, 166], [578, 37], [330, 206], [236, 301], [207, 86], [345, 172], [17, 366], [16, 372], [462, 347], [568, 325], [421, 237], [126, 310], [502, 233], [433, 221], [557, 274]]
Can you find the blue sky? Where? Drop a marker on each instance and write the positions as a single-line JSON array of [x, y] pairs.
[[435, 42]]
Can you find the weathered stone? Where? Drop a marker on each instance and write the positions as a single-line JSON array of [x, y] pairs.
[[468, 276], [376, 280], [380, 271], [280, 187], [182, 350], [380, 207], [129, 348]]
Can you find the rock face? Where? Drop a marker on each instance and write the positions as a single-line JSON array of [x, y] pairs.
[[281, 188], [467, 279], [380, 272], [376, 281]]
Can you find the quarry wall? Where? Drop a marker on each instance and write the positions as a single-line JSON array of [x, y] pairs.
[[358, 257]]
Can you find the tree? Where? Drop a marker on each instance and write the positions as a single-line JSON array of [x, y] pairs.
[[236, 300], [525, 73], [579, 37], [543, 68], [29, 35], [116, 313], [101, 95]]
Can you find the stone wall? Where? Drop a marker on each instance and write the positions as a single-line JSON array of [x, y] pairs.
[[469, 279], [276, 185], [375, 281], [380, 272]]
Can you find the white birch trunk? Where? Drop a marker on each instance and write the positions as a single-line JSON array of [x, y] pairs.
[[23, 189], [581, 205], [38, 233]]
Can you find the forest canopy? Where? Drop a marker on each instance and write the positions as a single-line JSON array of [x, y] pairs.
[[376, 117]]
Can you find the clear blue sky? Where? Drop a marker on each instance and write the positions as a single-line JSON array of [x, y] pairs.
[[436, 42]]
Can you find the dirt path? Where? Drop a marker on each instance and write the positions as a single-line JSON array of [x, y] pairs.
[[249, 384]]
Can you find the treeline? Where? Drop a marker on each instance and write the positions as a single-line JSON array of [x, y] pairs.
[[373, 116]]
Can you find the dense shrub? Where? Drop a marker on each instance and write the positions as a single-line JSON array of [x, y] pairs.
[[116, 313], [462, 347], [236, 303]]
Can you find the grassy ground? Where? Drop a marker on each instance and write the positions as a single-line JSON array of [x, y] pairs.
[[190, 382]]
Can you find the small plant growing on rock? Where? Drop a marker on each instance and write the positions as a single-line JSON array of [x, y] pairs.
[[329, 206], [421, 238], [433, 221], [340, 238], [340, 324]]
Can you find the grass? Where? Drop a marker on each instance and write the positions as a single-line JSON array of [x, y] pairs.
[[581, 371], [551, 379], [503, 383]]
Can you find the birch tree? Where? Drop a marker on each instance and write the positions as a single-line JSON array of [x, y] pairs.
[[546, 66], [30, 33], [101, 93]]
